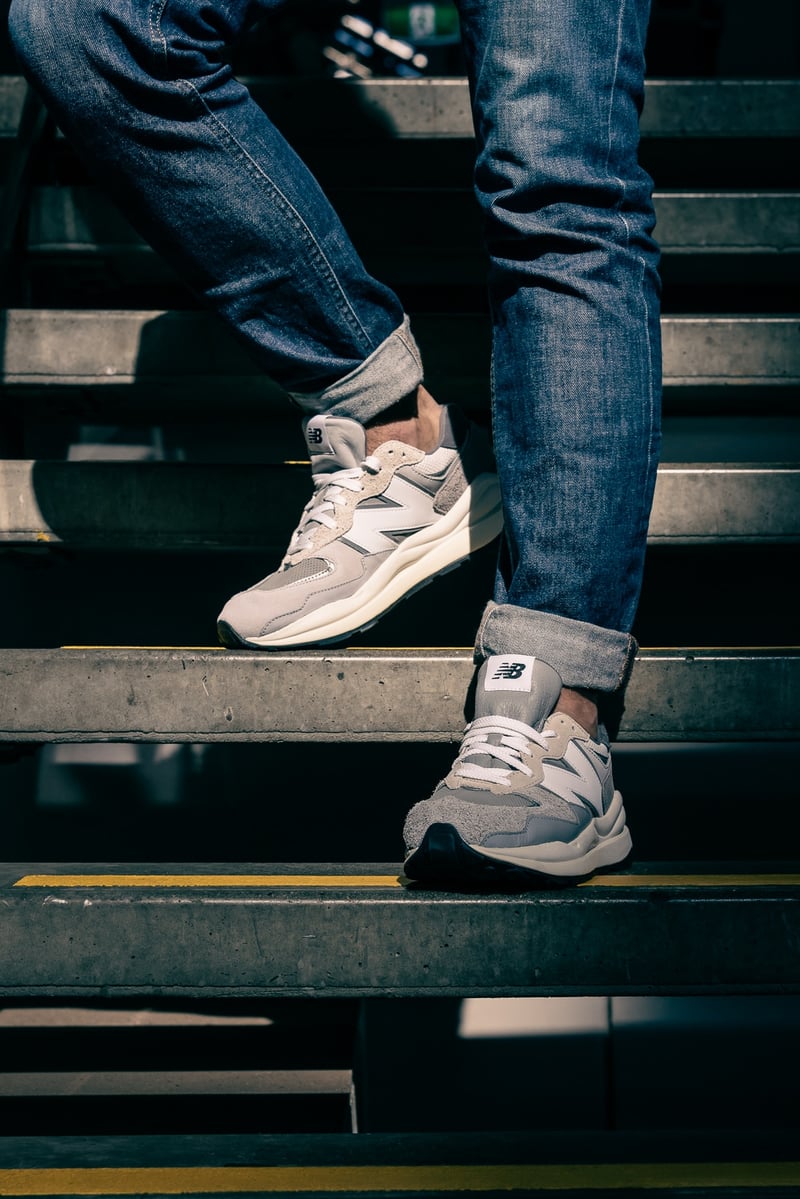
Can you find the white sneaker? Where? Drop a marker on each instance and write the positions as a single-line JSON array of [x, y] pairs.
[[530, 799], [376, 529]]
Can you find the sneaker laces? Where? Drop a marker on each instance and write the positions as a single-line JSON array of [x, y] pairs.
[[501, 739], [329, 494]]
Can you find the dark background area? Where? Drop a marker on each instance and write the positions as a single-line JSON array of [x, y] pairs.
[[698, 38]]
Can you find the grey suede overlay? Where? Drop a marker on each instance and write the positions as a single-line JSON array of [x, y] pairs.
[[452, 489], [477, 822]]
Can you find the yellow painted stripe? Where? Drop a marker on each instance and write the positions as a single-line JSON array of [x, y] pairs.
[[381, 880], [183, 1180], [210, 880]]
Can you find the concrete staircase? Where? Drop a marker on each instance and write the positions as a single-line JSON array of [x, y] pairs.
[[142, 482]]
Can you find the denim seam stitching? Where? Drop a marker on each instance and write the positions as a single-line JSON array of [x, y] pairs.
[[154, 16], [405, 342], [644, 510], [327, 275], [609, 173], [651, 388]]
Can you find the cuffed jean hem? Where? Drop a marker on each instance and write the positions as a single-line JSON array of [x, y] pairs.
[[391, 372], [585, 655]]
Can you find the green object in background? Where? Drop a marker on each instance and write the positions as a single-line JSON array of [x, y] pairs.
[[434, 22]]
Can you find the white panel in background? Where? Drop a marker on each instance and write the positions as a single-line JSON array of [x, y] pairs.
[[535, 1016]]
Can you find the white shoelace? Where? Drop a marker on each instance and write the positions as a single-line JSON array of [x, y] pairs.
[[328, 495], [515, 738]]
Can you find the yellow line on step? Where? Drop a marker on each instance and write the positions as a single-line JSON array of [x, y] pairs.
[[266, 881], [273, 881], [425, 1179]]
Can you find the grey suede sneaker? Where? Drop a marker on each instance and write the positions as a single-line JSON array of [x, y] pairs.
[[377, 528], [530, 799]]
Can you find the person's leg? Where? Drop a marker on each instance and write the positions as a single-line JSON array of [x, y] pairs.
[[557, 89], [144, 92]]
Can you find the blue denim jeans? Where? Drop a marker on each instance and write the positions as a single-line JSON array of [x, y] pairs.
[[557, 88], [143, 91]]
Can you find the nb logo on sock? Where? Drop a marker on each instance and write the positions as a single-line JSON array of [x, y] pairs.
[[314, 436], [509, 670]]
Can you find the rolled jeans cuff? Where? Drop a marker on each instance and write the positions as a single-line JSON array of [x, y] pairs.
[[585, 655], [391, 372]]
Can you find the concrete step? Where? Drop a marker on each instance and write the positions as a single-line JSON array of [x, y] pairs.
[[75, 219], [364, 930], [211, 695], [388, 109], [743, 241], [191, 350], [234, 506], [597, 1164]]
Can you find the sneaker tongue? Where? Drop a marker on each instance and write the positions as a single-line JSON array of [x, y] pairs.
[[334, 443], [518, 687]]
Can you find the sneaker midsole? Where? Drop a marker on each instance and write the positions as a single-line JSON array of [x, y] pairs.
[[605, 841]]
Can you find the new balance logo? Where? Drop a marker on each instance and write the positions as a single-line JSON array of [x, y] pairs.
[[314, 436], [509, 674], [509, 670], [402, 509]]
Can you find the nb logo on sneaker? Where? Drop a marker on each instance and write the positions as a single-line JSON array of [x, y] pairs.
[[509, 670], [509, 674], [314, 436]]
